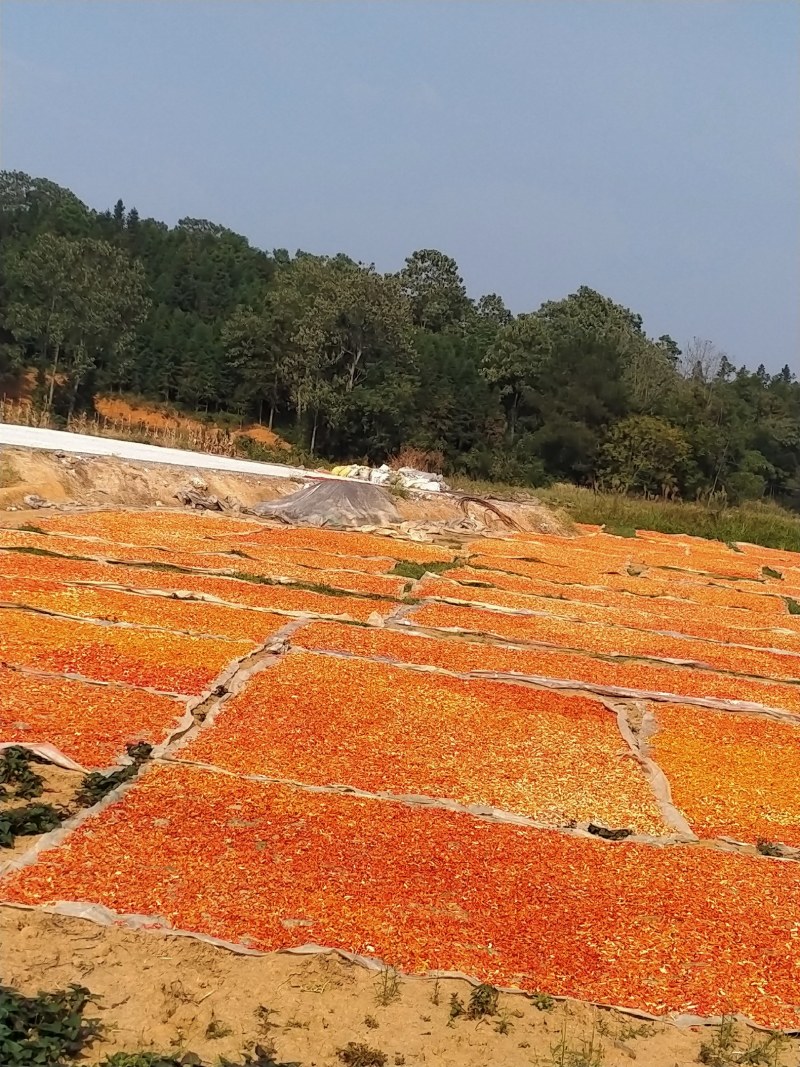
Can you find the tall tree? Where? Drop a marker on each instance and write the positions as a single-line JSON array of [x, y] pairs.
[[436, 290]]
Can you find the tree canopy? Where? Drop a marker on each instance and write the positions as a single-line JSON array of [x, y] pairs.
[[350, 363]]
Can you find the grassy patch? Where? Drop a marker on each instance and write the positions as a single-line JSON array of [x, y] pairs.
[[406, 569], [621, 531], [725, 1049], [759, 523]]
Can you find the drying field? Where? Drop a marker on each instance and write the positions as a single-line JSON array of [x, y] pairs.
[[564, 766]]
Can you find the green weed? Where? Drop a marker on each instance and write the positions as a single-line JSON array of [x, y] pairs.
[[482, 1001], [357, 1054], [387, 988], [16, 771], [47, 1030], [405, 568], [768, 848], [96, 785], [27, 821]]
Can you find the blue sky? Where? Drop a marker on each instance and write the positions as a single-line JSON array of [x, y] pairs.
[[648, 149]]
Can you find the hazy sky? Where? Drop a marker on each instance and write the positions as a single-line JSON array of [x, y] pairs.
[[648, 149]]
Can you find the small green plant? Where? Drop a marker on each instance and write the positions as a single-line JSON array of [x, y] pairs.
[[16, 771], [482, 1001], [770, 572], [542, 1001], [387, 986], [586, 1052], [96, 785], [629, 1032], [436, 994], [768, 848], [357, 1054], [725, 1049], [217, 1029], [371, 1022], [793, 606], [28, 821], [47, 1030], [504, 1024], [457, 1008]]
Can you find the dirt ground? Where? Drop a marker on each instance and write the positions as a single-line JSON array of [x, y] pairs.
[[103, 481], [60, 787], [168, 994]]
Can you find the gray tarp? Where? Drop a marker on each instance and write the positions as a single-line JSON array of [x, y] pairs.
[[334, 503]]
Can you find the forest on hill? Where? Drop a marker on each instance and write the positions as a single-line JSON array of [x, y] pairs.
[[349, 363]]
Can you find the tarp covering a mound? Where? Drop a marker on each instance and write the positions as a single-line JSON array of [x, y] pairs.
[[333, 503]]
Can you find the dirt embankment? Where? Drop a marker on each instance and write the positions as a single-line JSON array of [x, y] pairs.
[[151, 419], [68, 480]]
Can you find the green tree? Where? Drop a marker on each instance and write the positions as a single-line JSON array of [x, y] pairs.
[[431, 282], [79, 303], [255, 356], [341, 326], [644, 454], [514, 362]]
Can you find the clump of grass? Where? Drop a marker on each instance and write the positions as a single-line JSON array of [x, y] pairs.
[[792, 605], [770, 572], [768, 848], [482, 1001], [585, 1052], [504, 1024], [725, 1049], [457, 1008], [542, 1001], [357, 1054], [406, 568], [387, 987]]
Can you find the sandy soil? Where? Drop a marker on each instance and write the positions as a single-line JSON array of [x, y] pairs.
[[163, 993]]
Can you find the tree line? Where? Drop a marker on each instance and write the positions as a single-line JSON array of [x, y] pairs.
[[349, 363]]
